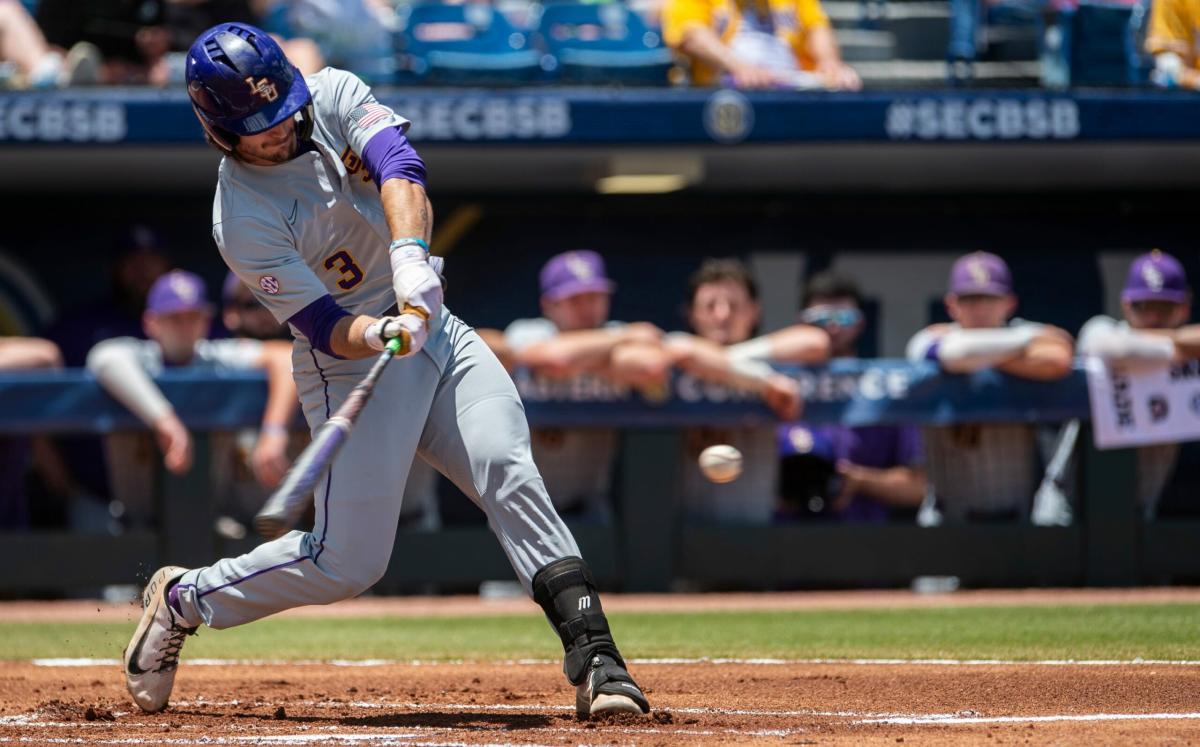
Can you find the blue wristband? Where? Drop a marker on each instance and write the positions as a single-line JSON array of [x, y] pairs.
[[398, 243]]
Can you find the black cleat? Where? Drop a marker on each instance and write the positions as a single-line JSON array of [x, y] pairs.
[[608, 688]]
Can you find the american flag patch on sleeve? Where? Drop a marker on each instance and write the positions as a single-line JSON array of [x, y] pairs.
[[369, 114]]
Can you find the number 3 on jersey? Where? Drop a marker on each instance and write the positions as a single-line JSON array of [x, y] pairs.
[[344, 263]]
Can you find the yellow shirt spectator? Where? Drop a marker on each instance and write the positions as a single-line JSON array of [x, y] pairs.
[[1173, 26], [793, 22]]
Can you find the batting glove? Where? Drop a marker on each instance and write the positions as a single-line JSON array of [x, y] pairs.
[[415, 280], [411, 326]]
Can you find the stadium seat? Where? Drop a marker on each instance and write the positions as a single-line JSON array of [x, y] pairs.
[[456, 44], [1099, 44], [603, 43]]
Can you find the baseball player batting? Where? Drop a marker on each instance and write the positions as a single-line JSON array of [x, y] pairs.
[[321, 209]]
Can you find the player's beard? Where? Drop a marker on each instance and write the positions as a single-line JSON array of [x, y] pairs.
[[279, 154], [274, 153]]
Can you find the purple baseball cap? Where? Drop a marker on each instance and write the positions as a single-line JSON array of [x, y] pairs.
[[229, 287], [980, 274], [571, 273], [177, 291], [1156, 277]]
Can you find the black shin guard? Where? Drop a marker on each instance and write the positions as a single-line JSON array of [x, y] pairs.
[[567, 595]]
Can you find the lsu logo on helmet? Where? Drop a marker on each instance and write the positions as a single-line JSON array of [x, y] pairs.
[[263, 88]]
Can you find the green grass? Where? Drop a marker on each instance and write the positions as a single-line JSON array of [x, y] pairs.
[[1152, 631]]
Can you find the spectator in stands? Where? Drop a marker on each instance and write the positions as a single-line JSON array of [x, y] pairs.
[[187, 19], [129, 36], [35, 62], [16, 453], [1172, 39], [1156, 304], [986, 472], [355, 35], [142, 42], [880, 468], [723, 312], [177, 320], [574, 337], [759, 44]]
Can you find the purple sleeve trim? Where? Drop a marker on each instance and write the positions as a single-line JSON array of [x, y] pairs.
[[931, 352], [316, 321], [389, 155]]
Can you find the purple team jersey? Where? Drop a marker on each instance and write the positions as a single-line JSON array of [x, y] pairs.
[[879, 446]]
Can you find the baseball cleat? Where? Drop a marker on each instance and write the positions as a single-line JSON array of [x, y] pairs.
[[608, 688], [153, 653]]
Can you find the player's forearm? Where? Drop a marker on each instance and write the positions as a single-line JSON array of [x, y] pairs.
[[348, 337], [407, 209], [28, 352], [822, 45], [1187, 341], [896, 486], [121, 374], [570, 353], [1128, 346], [969, 350], [800, 344], [281, 386], [703, 44], [1048, 357], [708, 360]]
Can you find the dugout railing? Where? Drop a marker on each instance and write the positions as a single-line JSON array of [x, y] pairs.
[[646, 548]]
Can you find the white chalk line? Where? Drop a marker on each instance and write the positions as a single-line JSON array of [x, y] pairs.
[[93, 662], [382, 739], [859, 717], [1088, 717]]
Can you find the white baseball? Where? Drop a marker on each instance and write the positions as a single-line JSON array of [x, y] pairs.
[[721, 463]]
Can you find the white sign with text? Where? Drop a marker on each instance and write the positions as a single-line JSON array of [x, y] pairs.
[[1144, 406]]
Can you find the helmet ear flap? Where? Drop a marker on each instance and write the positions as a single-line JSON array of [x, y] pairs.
[[223, 140]]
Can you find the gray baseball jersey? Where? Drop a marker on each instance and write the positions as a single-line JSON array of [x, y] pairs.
[[978, 470], [315, 225]]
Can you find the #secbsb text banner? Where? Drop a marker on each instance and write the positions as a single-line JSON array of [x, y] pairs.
[[666, 116]]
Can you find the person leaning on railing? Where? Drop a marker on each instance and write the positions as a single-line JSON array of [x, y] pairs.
[[986, 472], [177, 320], [575, 337], [724, 313], [1155, 303]]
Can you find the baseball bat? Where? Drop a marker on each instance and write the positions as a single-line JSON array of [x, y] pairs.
[[1050, 504], [283, 509]]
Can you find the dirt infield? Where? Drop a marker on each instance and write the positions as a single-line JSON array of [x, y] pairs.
[[789, 703], [696, 702]]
